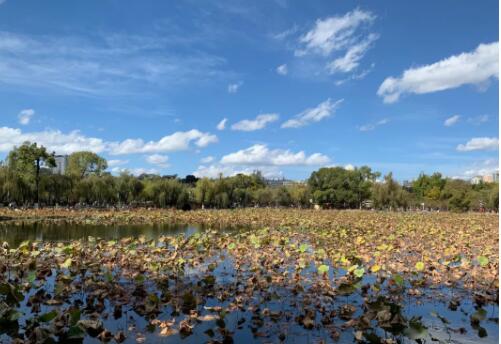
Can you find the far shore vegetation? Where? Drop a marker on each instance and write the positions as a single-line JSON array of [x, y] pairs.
[[27, 179]]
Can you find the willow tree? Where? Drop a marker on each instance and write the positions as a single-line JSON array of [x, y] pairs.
[[28, 159], [84, 163]]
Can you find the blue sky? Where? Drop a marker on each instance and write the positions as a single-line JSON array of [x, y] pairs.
[[407, 87]]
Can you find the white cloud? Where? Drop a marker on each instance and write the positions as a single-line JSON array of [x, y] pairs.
[[213, 171], [261, 155], [482, 168], [175, 142], [475, 68], [334, 33], [54, 140], [311, 115], [372, 126], [349, 167], [451, 120], [353, 55], [282, 69], [337, 44], [66, 143], [158, 159], [259, 122], [135, 171], [204, 139], [233, 88], [221, 125], [207, 159], [117, 162], [25, 116], [479, 143]]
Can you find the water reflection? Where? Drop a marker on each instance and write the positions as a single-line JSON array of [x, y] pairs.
[[15, 234]]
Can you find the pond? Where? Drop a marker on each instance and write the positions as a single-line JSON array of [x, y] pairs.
[[65, 232], [190, 284]]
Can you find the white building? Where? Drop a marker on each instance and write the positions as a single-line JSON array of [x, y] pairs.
[[486, 178], [61, 164], [278, 182], [476, 180]]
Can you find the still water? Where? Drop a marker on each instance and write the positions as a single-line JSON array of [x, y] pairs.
[[427, 307], [15, 234]]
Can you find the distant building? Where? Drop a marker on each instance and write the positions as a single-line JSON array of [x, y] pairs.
[[278, 182], [61, 164], [487, 178], [476, 180], [407, 185]]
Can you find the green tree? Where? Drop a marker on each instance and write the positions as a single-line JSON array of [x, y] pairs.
[[282, 196], [28, 159], [129, 188], [264, 197], [341, 188], [55, 188], [459, 202], [299, 194], [84, 163], [204, 190], [428, 186], [389, 194]]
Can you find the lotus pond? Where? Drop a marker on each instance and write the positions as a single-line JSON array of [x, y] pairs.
[[315, 277]]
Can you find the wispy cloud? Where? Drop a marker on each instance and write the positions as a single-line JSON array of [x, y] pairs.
[[339, 41], [311, 115], [117, 162], [260, 122], [158, 159], [233, 88], [477, 120], [111, 64], [221, 125], [474, 68], [372, 126], [334, 33], [25, 116], [286, 33], [207, 159], [356, 76], [449, 122], [282, 69], [353, 55]]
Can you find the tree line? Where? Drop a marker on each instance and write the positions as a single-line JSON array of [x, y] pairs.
[[26, 178]]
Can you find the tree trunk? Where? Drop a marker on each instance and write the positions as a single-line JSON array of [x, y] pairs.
[[37, 182]]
